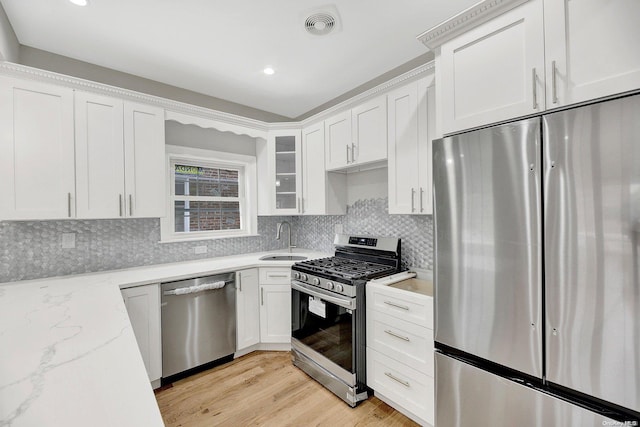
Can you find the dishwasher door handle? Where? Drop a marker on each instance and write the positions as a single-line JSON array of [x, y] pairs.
[[196, 288]]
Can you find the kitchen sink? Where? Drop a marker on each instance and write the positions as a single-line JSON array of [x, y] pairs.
[[283, 258]]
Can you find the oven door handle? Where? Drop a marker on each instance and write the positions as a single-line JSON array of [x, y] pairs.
[[349, 303]]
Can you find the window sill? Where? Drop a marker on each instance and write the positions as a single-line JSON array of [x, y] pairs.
[[200, 238]]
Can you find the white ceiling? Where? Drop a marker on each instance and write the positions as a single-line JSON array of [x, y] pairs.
[[220, 47]]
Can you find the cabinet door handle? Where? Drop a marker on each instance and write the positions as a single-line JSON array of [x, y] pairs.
[[261, 296], [393, 334], [393, 304], [347, 154], [120, 204], [239, 282], [413, 197], [393, 377], [421, 205], [353, 152], [69, 204], [130, 205], [554, 89], [535, 89]]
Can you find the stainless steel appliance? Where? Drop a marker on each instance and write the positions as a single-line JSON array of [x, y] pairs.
[[198, 322], [328, 334], [537, 301]]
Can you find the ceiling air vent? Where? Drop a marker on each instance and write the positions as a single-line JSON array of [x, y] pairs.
[[320, 23]]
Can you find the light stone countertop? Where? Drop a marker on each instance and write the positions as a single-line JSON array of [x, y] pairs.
[[69, 356]]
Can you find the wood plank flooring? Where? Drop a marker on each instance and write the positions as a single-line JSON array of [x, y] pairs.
[[265, 389]]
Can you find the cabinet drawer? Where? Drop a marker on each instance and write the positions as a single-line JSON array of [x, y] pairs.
[[410, 389], [411, 307], [403, 341], [275, 276]]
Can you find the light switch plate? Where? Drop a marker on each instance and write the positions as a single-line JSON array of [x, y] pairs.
[[200, 249], [68, 240], [338, 229]]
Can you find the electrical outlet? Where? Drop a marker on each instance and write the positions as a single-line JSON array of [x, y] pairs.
[[338, 229], [68, 240], [200, 249]]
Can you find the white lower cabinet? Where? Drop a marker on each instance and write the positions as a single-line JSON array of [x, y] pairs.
[[400, 350], [275, 305], [143, 307], [247, 308]]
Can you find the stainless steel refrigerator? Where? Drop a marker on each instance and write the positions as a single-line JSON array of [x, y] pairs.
[[537, 299]]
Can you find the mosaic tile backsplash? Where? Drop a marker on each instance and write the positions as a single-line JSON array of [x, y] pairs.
[[32, 249]]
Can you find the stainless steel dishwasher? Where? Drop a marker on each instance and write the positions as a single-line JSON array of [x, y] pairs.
[[198, 322]]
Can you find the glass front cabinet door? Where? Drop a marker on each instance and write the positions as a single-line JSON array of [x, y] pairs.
[[286, 158]]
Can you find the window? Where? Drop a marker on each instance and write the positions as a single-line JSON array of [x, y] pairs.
[[208, 196]]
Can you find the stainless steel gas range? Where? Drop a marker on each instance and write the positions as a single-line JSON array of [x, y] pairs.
[[328, 336]]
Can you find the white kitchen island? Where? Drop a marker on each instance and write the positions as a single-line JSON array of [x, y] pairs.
[[69, 356]]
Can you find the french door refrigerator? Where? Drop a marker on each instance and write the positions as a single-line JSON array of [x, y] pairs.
[[537, 300]]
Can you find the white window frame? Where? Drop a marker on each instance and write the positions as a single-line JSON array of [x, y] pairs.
[[247, 192]]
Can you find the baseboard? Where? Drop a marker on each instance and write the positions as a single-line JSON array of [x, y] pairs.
[[402, 410]]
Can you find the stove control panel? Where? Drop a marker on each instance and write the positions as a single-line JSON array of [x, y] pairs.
[[320, 282]]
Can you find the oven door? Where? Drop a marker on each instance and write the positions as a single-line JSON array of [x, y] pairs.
[[323, 327]]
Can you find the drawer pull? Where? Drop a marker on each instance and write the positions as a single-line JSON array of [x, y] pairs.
[[278, 275], [393, 304], [396, 379], [393, 334]]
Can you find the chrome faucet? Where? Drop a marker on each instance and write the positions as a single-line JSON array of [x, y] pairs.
[[280, 229]]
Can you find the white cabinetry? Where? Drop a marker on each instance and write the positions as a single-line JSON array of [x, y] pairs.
[[411, 124], [247, 308], [358, 136], [275, 305], [279, 166], [539, 55], [591, 49], [143, 307], [323, 193], [400, 350], [120, 168], [36, 151], [494, 71]]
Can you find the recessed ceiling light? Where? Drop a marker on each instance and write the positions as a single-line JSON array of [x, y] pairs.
[[79, 2], [269, 71]]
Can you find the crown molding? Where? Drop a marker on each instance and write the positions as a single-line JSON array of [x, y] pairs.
[[202, 116], [368, 94], [465, 20]]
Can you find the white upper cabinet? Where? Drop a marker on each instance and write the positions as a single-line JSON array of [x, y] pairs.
[[145, 167], [280, 173], [369, 140], [36, 150], [120, 167], [99, 156], [411, 121], [591, 49], [536, 56], [338, 140], [323, 193], [357, 136], [494, 71]]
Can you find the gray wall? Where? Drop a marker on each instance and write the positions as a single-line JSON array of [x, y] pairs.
[[9, 46], [208, 139], [32, 249], [72, 67]]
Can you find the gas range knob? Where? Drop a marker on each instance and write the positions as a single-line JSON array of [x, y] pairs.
[[296, 275], [330, 285], [316, 281], [303, 277], [339, 288]]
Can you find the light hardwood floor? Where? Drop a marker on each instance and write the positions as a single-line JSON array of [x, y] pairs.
[[265, 389]]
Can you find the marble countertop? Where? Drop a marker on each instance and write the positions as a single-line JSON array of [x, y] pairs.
[[69, 355]]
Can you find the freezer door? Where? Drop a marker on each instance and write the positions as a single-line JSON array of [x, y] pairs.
[[470, 397], [592, 261], [487, 241]]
